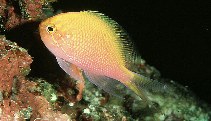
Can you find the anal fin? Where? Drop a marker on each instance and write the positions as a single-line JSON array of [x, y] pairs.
[[108, 84]]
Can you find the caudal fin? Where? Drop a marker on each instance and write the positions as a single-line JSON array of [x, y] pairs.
[[148, 84], [140, 84]]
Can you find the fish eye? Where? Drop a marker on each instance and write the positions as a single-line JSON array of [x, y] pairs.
[[50, 28]]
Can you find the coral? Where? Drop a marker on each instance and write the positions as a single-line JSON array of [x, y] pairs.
[[31, 9], [28, 97], [46, 90], [13, 13], [22, 98], [10, 111], [13, 61]]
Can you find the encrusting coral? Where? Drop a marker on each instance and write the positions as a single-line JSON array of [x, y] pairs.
[[18, 94], [14, 62], [16, 12]]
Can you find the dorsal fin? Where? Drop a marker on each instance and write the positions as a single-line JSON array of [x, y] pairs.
[[125, 42]]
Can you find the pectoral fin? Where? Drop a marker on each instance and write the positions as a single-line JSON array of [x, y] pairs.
[[75, 73], [70, 69]]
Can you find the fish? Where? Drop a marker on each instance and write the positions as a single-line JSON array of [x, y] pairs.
[[89, 44]]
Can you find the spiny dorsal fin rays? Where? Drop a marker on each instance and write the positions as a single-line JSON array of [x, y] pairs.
[[125, 44]]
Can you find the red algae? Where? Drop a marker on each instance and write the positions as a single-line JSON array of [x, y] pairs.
[[13, 14], [12, 62], [3, 7], [18, 93], [32, 9]]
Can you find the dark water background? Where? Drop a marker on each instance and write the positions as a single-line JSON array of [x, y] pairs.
[[174, 37]]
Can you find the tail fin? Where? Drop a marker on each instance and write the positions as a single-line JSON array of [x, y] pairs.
[[139, 84], [148, 84], [137, 90]]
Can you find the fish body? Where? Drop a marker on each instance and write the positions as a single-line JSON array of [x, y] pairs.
[[96, 45]]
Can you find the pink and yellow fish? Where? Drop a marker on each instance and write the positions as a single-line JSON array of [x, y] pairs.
[[90, 44]]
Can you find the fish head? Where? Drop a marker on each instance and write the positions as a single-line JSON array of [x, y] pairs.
[[54, 34], [50, 31]]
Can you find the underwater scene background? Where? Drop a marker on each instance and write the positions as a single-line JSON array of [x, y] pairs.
[[172, 39]]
